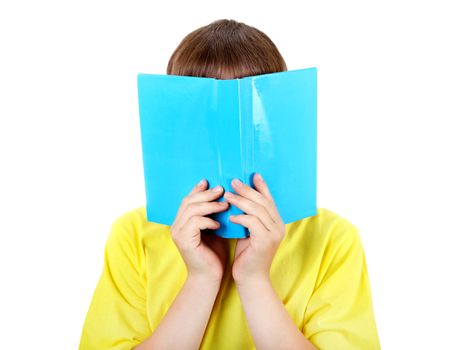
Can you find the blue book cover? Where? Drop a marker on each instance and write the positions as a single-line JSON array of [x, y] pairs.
[[217, 129]]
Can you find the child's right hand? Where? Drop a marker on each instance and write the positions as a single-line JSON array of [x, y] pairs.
[[202, 259]]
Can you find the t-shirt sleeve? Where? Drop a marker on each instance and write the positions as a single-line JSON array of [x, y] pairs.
[[117, 318], [339, 314]]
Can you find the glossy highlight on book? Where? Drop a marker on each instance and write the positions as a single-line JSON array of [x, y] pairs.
[[220, 129]]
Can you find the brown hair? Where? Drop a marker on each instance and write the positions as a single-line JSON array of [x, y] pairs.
[[226, 49]]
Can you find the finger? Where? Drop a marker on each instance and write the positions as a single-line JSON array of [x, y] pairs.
[[192, 230], [254, 225], [206, 195], [199, 194], [262, 187], [263, 198], [200, 186], [252, 208], [199, 209]]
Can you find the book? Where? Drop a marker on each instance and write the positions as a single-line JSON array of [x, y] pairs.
[[221, 129]]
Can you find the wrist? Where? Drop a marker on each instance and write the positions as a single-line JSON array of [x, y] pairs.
[[204, 280], [253, 282]]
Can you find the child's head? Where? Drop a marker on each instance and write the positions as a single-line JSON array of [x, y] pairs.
[[226, 49]]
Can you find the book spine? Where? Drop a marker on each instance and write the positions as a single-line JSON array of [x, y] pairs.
[[227, 135], [245, 108]]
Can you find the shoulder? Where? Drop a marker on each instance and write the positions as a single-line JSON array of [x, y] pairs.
[[337, 226], [340, 245], [322, 240], [326, 228], [330, 218], [132, 226]]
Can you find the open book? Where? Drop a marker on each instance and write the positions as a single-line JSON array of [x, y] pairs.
[[197, 127]]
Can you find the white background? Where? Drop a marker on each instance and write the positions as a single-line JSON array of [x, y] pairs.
[[388, 147]]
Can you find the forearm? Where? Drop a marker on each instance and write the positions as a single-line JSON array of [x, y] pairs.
[[184, 324], [270, 324]]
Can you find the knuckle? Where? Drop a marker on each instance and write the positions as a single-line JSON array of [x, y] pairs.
[[261, 197], [192, 208], [195, 219], [210, 222], [260, 211], [200, 222]]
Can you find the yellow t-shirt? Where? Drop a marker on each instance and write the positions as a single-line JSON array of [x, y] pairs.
[[319, 272]]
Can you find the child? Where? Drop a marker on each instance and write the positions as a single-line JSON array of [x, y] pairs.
[[302, 285]]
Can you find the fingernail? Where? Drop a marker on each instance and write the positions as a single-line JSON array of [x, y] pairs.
[[216, 189], [237, 183], [201, 182], [260, 177], [228, 195]]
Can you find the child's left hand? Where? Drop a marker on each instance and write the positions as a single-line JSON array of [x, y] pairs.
[[254, 255]]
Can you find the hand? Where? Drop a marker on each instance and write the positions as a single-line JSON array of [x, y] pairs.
[[254, 255], [204, 256]]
